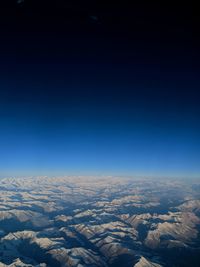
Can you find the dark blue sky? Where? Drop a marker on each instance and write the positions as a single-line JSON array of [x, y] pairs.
[[99, 97]]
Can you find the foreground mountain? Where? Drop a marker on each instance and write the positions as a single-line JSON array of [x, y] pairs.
[[99, 221]]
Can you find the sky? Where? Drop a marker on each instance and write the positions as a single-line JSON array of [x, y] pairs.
[[94, 89]]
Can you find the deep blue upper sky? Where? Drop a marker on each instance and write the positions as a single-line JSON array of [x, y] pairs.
[[99, 97]]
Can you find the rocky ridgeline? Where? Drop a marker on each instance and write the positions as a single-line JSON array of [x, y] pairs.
[[98, 221]]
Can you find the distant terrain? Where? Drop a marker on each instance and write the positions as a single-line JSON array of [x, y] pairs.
[[99, 221]]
